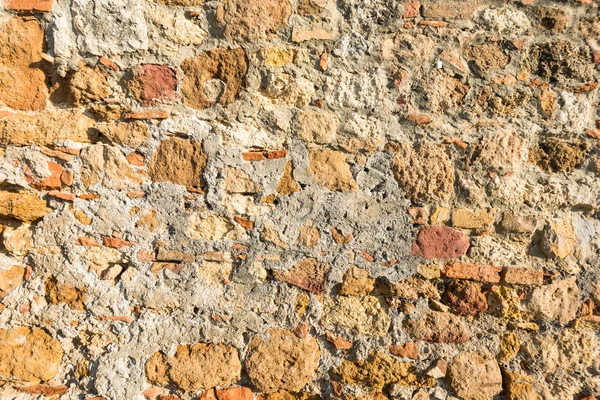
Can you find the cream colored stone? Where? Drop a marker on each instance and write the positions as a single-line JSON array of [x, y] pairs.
[[364, 315], [209, 226]]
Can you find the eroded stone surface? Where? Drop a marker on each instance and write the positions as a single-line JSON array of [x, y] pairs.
[[22, 81], [196, 366], [424, 172], [179, 161], [364, 315], [252, 19], [28, 355], [215, 77], [475, 376], [282, 361]]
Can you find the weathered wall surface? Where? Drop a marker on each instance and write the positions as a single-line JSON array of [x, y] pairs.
[[299, 199]]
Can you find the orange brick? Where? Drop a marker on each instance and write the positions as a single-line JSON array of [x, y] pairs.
[[29, 5], [475, 272]]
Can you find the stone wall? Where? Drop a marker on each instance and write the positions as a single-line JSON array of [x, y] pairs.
[[299, 199]]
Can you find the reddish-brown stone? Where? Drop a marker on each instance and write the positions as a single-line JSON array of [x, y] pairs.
[[411, 9], [309, 274], [440, 242], [235, 393], [152, 83], [410, 350], [465, 298]]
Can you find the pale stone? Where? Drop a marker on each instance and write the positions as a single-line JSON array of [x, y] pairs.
[[209, 226], [475, 376], [363, 315], [107, 27], [108, 165], [316, 127], [558, 301]]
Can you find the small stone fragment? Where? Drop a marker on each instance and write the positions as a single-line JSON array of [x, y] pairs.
[[515, 224], [523, 276], [237, 181], [130, 134], [424, 172], [88, 85], [45, 128], [558, 239], [287, 185], [25, 207], [476, 272], [438, 369], [309, 236], [107, 165], [10, 279], [23, 84], [475, 376], [410, 350], [209, 226], [466, 219], [316, 127], [554, 155], [309, 274], [509, 346], [282, 361], [412, 288], [331, 170]]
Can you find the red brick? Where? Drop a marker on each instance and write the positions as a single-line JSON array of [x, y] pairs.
[[523, 276], [86, 241], [152, 83], [263, 155], [62, 196], [29, 5], [434, 24], [418, 119], [44, 390], [440, 242], [475, 272], [116, 243]]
